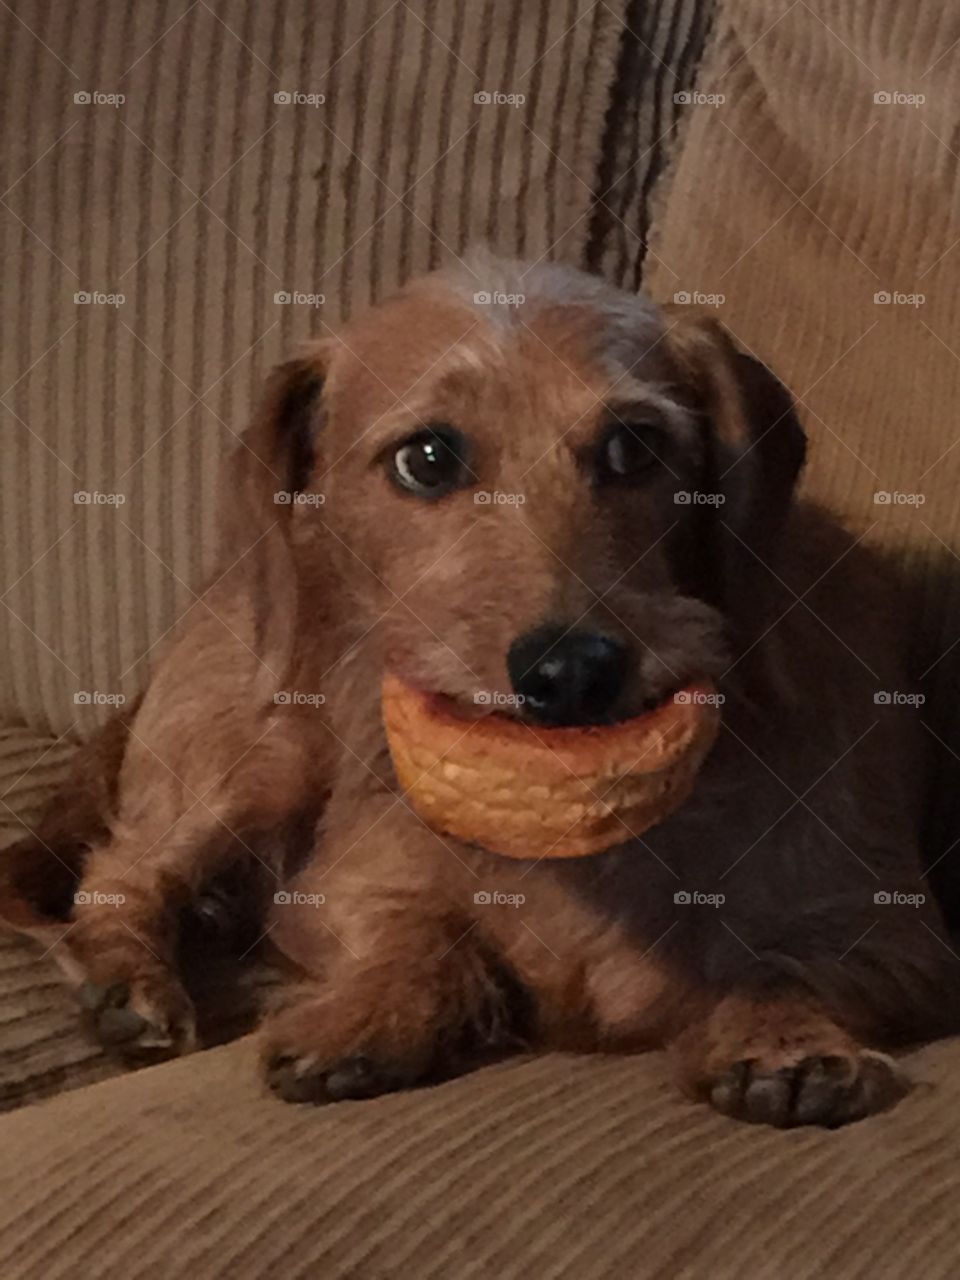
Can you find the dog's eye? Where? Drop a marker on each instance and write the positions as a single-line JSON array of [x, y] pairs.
[[629, 451], [431, 463]]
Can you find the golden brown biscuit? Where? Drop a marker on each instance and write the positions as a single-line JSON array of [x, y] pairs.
[[529, 792]]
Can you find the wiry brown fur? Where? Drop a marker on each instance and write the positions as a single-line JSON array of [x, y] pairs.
[[775, 1002]]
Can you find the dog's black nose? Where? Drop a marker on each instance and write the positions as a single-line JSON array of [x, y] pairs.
[[567, 677]]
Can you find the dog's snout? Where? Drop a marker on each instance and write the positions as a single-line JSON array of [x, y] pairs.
[[567, 676]]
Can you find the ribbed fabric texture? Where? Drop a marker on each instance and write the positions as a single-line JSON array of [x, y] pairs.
[[556, 1167], [800, 198], [553, 1168], [199, 199], [30, 768], [658, 64]]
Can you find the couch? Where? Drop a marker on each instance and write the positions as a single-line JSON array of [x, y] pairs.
[[190, 188]]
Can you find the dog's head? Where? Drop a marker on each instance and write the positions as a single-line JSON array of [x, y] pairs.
[[536, 491]]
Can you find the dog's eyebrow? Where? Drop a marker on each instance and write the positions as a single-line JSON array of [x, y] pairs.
[[629, 397], [464, 363]]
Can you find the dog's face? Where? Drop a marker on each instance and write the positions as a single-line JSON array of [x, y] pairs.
[[527, 503]]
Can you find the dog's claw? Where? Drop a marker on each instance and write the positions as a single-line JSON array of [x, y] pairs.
[[304, 1078], [158, 1029], [290, 1077], [95, 996], [119, 1026], [827, 1090]]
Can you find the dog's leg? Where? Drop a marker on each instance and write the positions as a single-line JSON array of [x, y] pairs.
[[103, 894], [168, 842], [794, 1034], [40, 873], [121, 950], [409, 992]]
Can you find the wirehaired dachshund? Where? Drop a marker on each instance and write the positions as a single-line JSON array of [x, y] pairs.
[[505, 460]]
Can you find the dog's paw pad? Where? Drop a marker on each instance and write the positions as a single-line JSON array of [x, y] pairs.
[[304, 1078], [828, 1090], [156, 1022]]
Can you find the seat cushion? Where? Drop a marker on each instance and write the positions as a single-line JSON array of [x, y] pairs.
[[812, 208], [554, 1167], [42, 1046], [270, 170]]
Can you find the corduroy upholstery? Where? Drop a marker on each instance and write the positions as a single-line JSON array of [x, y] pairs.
[[556, 1167]]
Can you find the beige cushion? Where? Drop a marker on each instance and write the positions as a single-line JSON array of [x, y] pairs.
[[800, 198], [144, 399], [31, 767], [42, 1046], [559, 1167]]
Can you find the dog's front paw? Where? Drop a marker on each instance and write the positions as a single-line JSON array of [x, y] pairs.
[[355, 1040], [784, 1061], [828, 1090], [306, 1077], [145, 1016], [318, 1051]]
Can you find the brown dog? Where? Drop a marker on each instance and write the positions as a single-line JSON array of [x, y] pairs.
[[567, 498]]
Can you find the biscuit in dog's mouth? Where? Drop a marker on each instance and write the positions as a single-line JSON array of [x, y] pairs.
[[531, 792]]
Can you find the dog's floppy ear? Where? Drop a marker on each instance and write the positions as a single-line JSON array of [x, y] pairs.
[[283, 435], [754, 445], [274, 461], [276, 454]]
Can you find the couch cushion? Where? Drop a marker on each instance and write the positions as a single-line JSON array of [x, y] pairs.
[[204, 201], [42, 1047], [819, 200], [31, 767], [557, 1167]]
